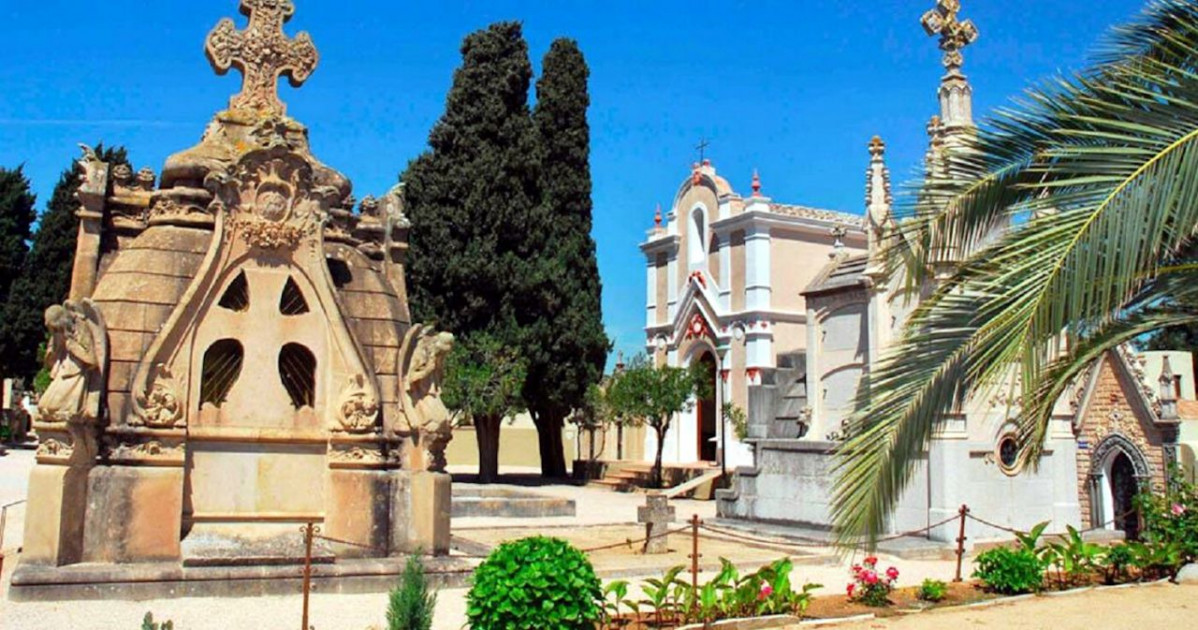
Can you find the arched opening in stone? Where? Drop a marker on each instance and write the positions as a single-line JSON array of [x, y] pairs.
[[697, 239], [297, 370], [340, 271], [707, 413], [237, 295], [220, 370], [1124, 487], [292, 301]]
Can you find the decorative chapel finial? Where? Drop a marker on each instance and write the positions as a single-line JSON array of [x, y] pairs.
[[657, 217], [756, 184], [955, 34], [263, 53]]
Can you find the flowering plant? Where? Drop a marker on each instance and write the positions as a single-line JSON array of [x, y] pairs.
[[869, 586]]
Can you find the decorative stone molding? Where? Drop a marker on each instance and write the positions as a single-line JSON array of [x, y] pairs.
[[358, 409], [151, 451]]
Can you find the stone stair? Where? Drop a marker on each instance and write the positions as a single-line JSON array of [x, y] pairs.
[[635, 476]]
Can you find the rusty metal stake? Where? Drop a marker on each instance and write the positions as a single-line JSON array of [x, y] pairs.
[[309, 531], [961, 541], [695, 563]]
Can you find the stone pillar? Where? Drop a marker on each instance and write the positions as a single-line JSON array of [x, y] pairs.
[[420, 512], [92, 193], [55, 514]]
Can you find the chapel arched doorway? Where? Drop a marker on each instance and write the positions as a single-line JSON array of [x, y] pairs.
[[707, 412], [1124, 487], [1119, 470]]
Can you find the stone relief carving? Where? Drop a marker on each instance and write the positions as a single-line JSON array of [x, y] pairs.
[[77, 359], [272, 198], [153, 449], [161, 407], [358, 410], [424, 354]]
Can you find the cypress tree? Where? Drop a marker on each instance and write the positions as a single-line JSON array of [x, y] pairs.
[[566, 344], [45, 275], [16, 220], [471, 199]]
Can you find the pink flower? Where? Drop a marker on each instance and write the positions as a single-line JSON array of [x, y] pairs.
[[871, 560], [1178, 509], [870, 577], [856, 569], [766, 591], [850, 590], [892, 573]]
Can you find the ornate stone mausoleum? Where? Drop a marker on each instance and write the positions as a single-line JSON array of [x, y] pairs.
[[236, 358]]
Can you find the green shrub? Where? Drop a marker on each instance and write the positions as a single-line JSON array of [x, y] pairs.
[[1170, 527], [1116, 563], [148, 623], [932, 590], [1010, 572], [411, 604], [534, 583]]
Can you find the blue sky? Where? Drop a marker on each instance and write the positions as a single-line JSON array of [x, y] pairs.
[[794, 89]]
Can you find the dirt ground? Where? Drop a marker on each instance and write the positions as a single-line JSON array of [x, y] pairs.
[[1159, 606]]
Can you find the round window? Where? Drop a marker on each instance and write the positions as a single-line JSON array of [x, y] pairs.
[[1008, 454]]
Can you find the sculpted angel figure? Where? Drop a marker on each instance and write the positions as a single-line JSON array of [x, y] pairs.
[[76, 359], [426, 351]]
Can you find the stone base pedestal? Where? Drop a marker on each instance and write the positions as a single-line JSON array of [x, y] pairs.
[[356, 511], [134, 514], [54, 516], [420, 516]]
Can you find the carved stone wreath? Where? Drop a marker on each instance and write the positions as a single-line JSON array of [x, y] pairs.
[[161, 407], [358, 409]]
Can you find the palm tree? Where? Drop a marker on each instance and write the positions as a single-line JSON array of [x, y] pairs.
[[1070, 216]]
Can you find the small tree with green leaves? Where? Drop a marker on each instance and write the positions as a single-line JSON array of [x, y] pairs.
[[647, 394], [411, 603], [483, 379]]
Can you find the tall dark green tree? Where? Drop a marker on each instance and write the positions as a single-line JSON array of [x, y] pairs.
[[16, 221], [45, 274], [16, 224], [472, 199], [566, 346]]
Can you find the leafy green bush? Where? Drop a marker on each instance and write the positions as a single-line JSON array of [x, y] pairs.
[[932, 590], [1008, 571], [534, 583], [411, 604], [671, 601], [1117, 562], [1170, 532], [148, 623], [1073, 558]]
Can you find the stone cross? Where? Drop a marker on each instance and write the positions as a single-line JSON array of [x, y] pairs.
[[263, 53], [955, 34], [656, 514]]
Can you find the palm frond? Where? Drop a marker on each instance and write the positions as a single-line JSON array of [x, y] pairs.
[[1094, 180]]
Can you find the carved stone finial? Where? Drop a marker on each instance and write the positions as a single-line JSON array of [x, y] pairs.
[[145, 178], [657, 216], [756, 184], [263, 53], [955, 34], [877, 148]]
